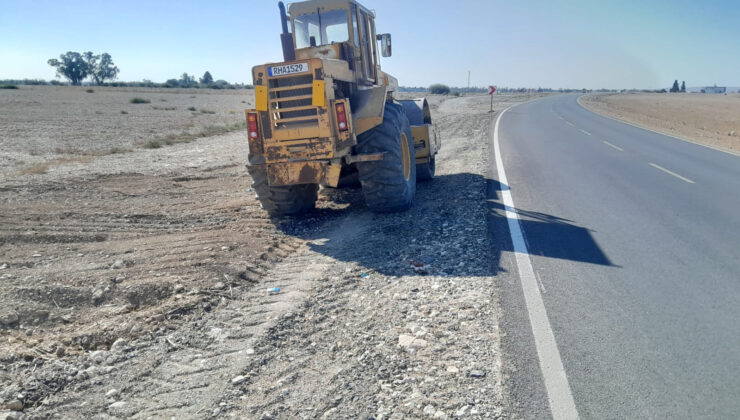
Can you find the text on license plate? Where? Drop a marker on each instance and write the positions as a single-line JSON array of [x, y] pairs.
[[287, 69]]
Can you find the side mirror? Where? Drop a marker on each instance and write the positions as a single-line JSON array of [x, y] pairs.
[[385, 44]]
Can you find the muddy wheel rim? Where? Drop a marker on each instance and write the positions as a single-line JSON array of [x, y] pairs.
[[406, 156]]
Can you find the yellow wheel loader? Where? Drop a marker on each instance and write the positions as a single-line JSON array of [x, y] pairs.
[[327, 114]]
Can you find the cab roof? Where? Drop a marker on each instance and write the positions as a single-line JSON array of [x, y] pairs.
[[306, 7]]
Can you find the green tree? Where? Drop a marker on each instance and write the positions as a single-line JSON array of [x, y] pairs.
[[71, 65], [439, 89], [683, 87], [207, 79], [675, 87], [103, 69], [187, 80]]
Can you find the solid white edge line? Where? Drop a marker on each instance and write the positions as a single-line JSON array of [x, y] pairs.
[[719, 149], [562, 405], [613, 146], [656, 166]]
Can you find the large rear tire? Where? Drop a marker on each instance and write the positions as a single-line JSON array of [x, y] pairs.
[[283, 200], [389, 185]]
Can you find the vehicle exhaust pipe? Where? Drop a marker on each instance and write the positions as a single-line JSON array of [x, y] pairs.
[[286, 39]]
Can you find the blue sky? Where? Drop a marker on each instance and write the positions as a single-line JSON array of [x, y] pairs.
[[570, 44]]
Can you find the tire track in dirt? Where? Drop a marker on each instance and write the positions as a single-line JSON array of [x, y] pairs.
[[83, 266]]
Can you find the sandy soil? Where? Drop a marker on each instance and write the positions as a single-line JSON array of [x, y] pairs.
[[43, 123], [713, 120], [135, 285]]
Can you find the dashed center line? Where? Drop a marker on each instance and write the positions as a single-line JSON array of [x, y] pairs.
[[569, 123], [584, 131], [671, 173], [613, 146]]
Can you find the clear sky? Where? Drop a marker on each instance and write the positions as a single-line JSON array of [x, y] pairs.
[[522, 43]]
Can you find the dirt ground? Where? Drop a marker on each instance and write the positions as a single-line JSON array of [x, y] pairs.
[[63, 123], [137, 285], [713, 120]]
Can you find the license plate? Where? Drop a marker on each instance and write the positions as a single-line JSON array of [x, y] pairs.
[[287, 69]]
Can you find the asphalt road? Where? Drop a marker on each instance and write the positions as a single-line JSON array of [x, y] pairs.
[[634, 238]]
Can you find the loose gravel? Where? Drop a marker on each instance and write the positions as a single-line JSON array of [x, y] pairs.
[[166, 291]]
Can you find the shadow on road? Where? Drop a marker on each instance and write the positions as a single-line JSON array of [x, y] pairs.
[[546, 235], [445, 233]]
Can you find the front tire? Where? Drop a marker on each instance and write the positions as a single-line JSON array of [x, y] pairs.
[[389, 185], [282, 200]]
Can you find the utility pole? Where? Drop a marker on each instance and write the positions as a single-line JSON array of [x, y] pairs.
[[468, 79]]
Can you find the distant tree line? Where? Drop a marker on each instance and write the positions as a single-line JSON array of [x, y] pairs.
[[206, 81], [77, 67], [442, 89], [218, 84]]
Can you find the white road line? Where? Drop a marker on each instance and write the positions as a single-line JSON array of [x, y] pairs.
[[584, 131], [559, 394], [569, 123], [671, 173], [539, 280], [613, 146]]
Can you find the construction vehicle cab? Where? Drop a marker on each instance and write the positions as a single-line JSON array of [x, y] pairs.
[[318, 114]]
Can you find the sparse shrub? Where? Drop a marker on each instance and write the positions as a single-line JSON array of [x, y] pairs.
[[138, 100], [164, 108], [439, 89], [455, 93], [207, 111], [124, 112], [192, 108], [90, 90], [8, 87], [152, 144]]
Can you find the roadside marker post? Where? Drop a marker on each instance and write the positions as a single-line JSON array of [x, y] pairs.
[[493, 90]]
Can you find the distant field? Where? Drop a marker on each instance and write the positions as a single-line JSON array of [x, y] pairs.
[[708, 119], [39, 123]]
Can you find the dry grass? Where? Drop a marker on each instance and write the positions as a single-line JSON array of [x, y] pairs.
[[93, 153], [43, 167], [186, 137]]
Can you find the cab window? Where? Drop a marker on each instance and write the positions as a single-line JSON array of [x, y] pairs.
[[326, 28]]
